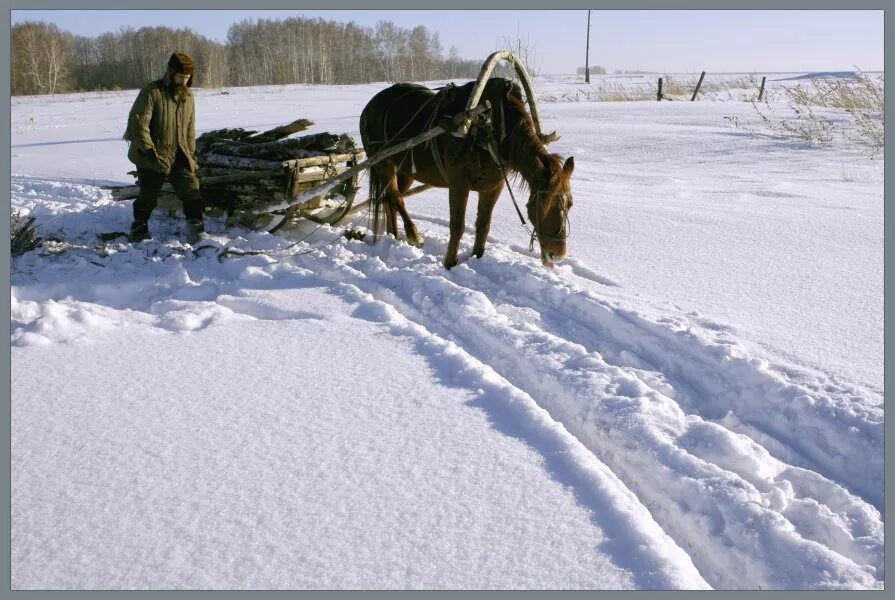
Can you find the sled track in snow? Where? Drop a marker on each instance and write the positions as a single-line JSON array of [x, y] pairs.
[[652, 404], [709, 381], [704, 377]]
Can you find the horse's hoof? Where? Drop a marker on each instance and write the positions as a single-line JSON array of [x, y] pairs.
[[416, 242], [449, 264]]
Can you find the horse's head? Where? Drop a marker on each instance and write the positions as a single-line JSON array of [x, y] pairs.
[[549, 205]]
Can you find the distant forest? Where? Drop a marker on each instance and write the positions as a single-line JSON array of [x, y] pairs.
[[46, 60], [597, 70]]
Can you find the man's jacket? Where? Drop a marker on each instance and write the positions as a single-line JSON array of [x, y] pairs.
[[158, 125]]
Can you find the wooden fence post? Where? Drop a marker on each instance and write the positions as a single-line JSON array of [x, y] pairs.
[[761, 90], [696, 91], [659, 94]]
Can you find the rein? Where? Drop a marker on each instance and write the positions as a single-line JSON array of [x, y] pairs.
[[532, 232]]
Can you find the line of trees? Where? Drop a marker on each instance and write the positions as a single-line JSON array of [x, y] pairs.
[[47, 60], [594, 70]]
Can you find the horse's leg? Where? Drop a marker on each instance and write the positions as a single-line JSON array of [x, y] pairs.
[[487, 200], [458, 198], [391, 195], [388, 197], [385, 186], [404, 183], [410, 230]]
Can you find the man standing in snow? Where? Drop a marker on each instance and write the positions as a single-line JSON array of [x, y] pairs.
[[161, 130]]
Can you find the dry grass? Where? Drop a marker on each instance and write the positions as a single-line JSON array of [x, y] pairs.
[[607, 92], [815, 111], [673, 89], [860, 100], [743, 88], [22, 233]]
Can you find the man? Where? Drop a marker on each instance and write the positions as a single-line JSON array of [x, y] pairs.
[[161, 130]]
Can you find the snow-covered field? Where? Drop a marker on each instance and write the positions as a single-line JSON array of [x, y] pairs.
[[693, 399]]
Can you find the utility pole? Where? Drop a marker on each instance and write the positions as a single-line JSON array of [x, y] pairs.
[[587, 53]]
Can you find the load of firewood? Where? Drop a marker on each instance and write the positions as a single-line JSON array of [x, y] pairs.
[[243, 170], [227, 147]]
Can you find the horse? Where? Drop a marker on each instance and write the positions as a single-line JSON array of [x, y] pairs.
[[477, 162]]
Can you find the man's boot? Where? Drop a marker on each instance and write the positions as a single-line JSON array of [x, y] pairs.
[[139, 231], [195, 230]]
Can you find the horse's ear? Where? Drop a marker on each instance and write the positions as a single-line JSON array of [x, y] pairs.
[[541, 164], [569, 166]]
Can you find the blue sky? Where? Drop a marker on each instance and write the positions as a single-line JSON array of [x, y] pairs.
[[655, 40]]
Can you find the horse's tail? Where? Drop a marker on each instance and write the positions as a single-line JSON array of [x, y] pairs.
[[378, 185], [374, 177]]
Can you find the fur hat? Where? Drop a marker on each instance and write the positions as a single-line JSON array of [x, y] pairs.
[[182, 63]]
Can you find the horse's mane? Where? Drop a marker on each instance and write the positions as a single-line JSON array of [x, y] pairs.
[[523, 145]]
